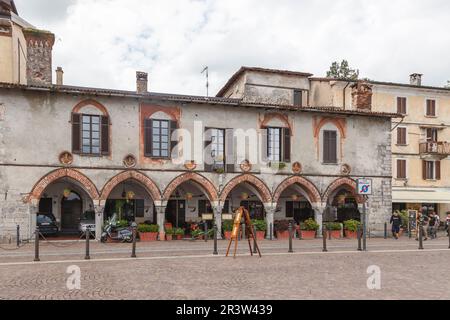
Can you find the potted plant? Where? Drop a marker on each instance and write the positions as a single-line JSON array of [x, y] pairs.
[[179, 233], [197, 234], [351, 228], [148, 232], [261, 228], [227, 227], [309, 229], [169, 234], [335, 229], [282, 229], [122, 223], [405, 221]]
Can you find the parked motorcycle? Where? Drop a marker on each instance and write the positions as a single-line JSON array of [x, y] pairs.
[[112, 232]]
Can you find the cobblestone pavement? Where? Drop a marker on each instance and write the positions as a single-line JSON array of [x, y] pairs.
[[188, 270]]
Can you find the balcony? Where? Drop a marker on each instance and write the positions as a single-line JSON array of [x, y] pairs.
[[435, 149]]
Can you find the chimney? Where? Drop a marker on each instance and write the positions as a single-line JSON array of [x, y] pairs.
[[362, 96], [415, 79], [141, 82], [39, 56], [59, 76]]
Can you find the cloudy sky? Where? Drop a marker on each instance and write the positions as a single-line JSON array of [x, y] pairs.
[[102, 43]]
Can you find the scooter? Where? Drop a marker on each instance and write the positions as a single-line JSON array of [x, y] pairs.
[[111, 232]]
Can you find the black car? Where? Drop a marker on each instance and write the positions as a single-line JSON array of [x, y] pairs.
[[47, 224]]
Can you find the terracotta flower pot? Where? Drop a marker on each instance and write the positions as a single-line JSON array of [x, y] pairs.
[[308, 234], [227, 235], [169, 237], [351, 234], [335, 234], [282, 235], [179, 237], [260, 235], [148, 236]]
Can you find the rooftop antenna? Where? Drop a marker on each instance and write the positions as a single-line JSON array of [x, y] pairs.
[[206, 69]]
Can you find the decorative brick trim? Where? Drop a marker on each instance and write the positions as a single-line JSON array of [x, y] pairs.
[[275, 115], [53, 176], [341, 125], [309, 187], [348, 184], [261, 187], [141, 178], [204, 184], [91, 102]]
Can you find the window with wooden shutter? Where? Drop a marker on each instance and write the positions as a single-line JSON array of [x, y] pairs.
[[105, 135], [431, 108], [286, 145], [401, 105], [424, 170], [173, 138], [263, 143], [438, 170], [432, 135], [401, 169], [274, 146], [148, 137], [330, 147], [76, 133], [430, 170], [158, 138], [401, 136], [298, 98]]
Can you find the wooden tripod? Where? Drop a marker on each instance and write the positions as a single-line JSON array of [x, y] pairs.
[[243, 213]]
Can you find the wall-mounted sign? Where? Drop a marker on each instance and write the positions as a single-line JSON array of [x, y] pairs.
[[365, 187], [207, 217], [227, 216]]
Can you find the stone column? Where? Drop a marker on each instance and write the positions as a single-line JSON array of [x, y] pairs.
[[99, 207], [218, 219], [270, 214], [161, 219], [319, 210]]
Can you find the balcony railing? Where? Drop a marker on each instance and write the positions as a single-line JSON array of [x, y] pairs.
[[441, 148]]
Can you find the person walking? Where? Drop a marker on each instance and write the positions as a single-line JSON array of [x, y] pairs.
[[422, 223], [447, 223], [396, 222], [432, 225]]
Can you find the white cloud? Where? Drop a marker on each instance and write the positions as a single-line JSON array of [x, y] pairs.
[[103, 42]]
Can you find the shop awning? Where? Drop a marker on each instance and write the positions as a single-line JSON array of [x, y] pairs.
[[421, 196]]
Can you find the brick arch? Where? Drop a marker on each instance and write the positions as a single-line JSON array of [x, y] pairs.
[[53, 176], [144, 180], [204, 184], [275, 115], [347, 183], [340, 124], [260, 186], [90, 102], [309, 187]]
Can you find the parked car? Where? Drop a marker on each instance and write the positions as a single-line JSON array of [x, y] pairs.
[[47, 224], [87, 221]]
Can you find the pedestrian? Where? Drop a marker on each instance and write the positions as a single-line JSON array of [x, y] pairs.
[[396, 222], [432, 225], [437, 224], [422, 224], [447, 223]]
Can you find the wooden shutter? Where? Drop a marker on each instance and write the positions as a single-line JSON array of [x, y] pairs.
[[401, 169], [330, 146], [105, 135], [286, 145], [207, 150], [401, 105], [76, 133], [438, 170], [148, 137], [264, 143], [401, 136], [172, 137], [424, 170], [229, 150]]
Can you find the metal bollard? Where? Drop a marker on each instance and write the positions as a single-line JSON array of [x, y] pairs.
[[133, 250], [215, 241], [36, 245], [420, 237], [206, 231], [18, 236], [358, 232], [385, 230], [324, 237], [271, 232], [290, 238], [329, 235], [87, 234], [254, 240]]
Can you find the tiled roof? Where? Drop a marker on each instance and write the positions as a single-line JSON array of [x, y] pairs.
[[244, 69], [191, 99]]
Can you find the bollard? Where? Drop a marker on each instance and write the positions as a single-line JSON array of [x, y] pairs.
[[324, 236], [385, 230], [215, 241], [87, 234], [206, 231], [420, 237], [329, 235], [448, 237], [18, 236], [254, 240], [133, 250], [271, 232], [290, 238], [409, 230], [358, 232], [36, 245]]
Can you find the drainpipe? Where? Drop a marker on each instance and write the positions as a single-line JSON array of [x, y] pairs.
[[345, 88]]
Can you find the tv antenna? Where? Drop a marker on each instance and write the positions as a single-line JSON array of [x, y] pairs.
[[206, 70]]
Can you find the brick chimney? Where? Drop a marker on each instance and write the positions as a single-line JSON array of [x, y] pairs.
[[141, 82], [415, 79], [59, 76], [362, 96], [39, 56]]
